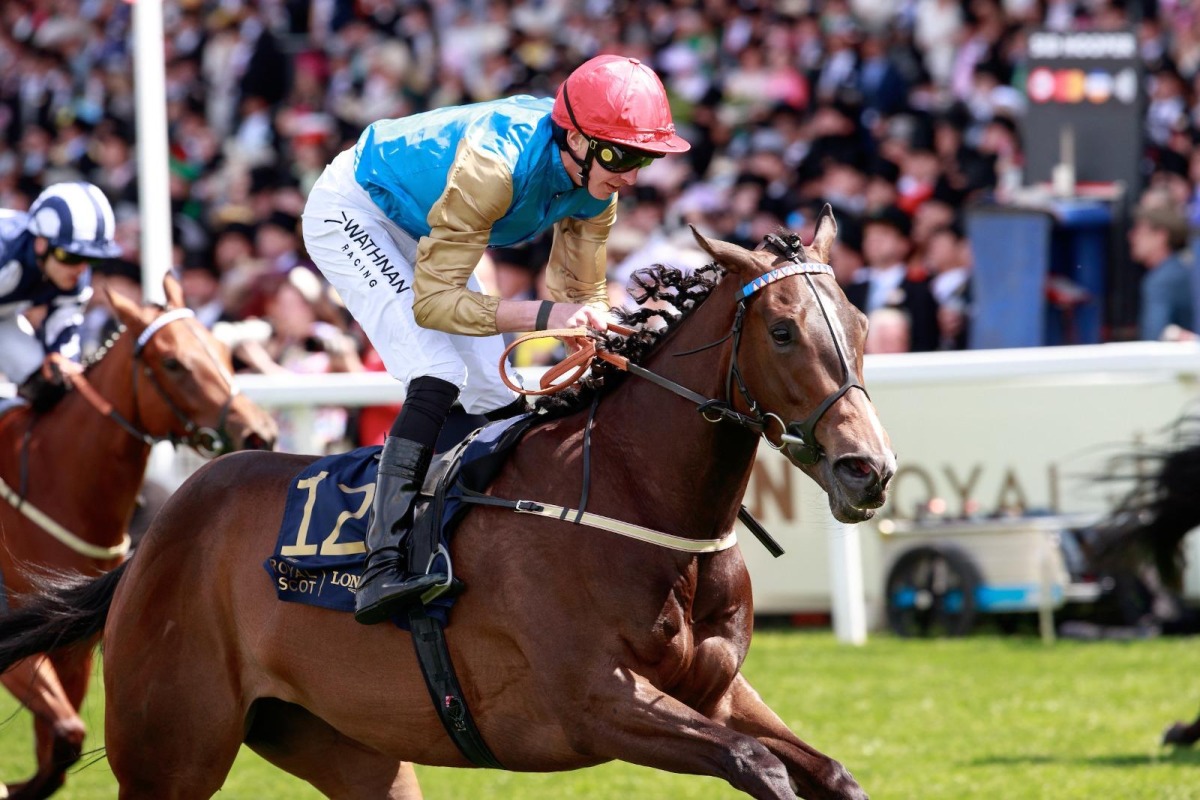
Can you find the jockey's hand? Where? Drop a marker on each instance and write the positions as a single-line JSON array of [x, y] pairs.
[[577, 316], [59, 370], [46, 385]]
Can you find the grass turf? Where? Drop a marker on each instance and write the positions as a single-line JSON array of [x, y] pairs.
[[982, 717]]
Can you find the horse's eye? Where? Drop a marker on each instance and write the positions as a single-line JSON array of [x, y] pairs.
[[781, 334], [172, 364]]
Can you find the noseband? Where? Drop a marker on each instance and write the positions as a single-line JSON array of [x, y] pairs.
[[209, 442]]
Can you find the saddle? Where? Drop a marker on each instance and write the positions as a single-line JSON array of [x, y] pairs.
[[320, 549]]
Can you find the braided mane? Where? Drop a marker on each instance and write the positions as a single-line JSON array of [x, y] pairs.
[[103, 349], [674, 296]]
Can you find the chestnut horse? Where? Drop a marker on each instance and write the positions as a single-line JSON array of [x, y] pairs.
[[70, 479], [573, 646]]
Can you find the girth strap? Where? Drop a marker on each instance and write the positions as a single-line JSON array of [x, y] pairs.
[[429, 641]]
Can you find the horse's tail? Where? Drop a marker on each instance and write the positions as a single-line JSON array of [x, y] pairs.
[[64, 611], [1153, 519]]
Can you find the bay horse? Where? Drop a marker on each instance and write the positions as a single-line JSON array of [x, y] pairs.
[[70, 479], [573, 646]]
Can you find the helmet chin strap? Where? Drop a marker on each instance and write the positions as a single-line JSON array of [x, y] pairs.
[[585, 163]]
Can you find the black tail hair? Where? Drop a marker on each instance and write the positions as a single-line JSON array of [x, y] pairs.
[[65, 610]]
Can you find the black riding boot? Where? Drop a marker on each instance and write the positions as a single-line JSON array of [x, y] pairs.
[[386, 585]]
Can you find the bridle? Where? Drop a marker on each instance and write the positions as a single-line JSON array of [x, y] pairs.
[[800, 436], [209, 442]]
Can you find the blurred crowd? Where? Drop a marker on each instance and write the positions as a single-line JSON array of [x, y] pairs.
[[898, 113]]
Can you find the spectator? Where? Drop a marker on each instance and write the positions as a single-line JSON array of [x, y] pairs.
[[782, 104], [889, 331], [948, 260], [200, 282], [293, 329], [887, 280], [1155, 241]]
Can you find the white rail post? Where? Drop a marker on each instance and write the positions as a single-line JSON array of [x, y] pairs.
[[849, 606], [154, 197]]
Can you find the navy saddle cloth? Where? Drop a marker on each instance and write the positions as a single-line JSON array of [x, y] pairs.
[[321, 548]]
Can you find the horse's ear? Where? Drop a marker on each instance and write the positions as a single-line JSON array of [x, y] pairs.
[[174, 291], [127, 311], [826, 232], [733, 257]]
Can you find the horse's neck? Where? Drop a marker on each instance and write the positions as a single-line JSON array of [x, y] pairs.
[[704, 466], [108, 462]]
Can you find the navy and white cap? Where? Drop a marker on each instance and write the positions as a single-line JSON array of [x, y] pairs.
[[77, 217]]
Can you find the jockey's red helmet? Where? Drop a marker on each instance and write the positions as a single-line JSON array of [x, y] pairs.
[[618, 99]]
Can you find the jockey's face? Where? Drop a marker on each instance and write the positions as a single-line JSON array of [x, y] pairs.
[[63, 269]]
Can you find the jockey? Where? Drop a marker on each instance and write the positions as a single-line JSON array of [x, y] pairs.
[[398, 223], [44, 264]]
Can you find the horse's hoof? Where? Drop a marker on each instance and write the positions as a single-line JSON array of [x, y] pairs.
[[1177, 735]]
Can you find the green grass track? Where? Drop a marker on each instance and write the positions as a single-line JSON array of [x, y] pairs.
[[982, 717]]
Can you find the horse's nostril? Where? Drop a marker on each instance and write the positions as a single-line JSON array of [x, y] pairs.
[[861, 474]]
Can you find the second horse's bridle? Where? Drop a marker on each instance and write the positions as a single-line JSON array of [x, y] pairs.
[[209, 442]]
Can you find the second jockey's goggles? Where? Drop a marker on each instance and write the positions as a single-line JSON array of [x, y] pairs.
[[66, 257]]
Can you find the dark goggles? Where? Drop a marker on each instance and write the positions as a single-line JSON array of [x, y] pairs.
[[618, 158], [70, 259]]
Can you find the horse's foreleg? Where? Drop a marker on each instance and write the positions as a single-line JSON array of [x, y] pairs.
[[629, 719], [814, 774], [58, 729]]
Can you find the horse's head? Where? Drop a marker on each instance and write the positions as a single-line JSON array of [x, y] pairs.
[[183, 380], [798, 367]]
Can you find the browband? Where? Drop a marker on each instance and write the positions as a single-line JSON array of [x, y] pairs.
[[795, 268]]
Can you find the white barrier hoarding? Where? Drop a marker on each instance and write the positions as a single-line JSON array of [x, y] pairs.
[[986, 431]]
